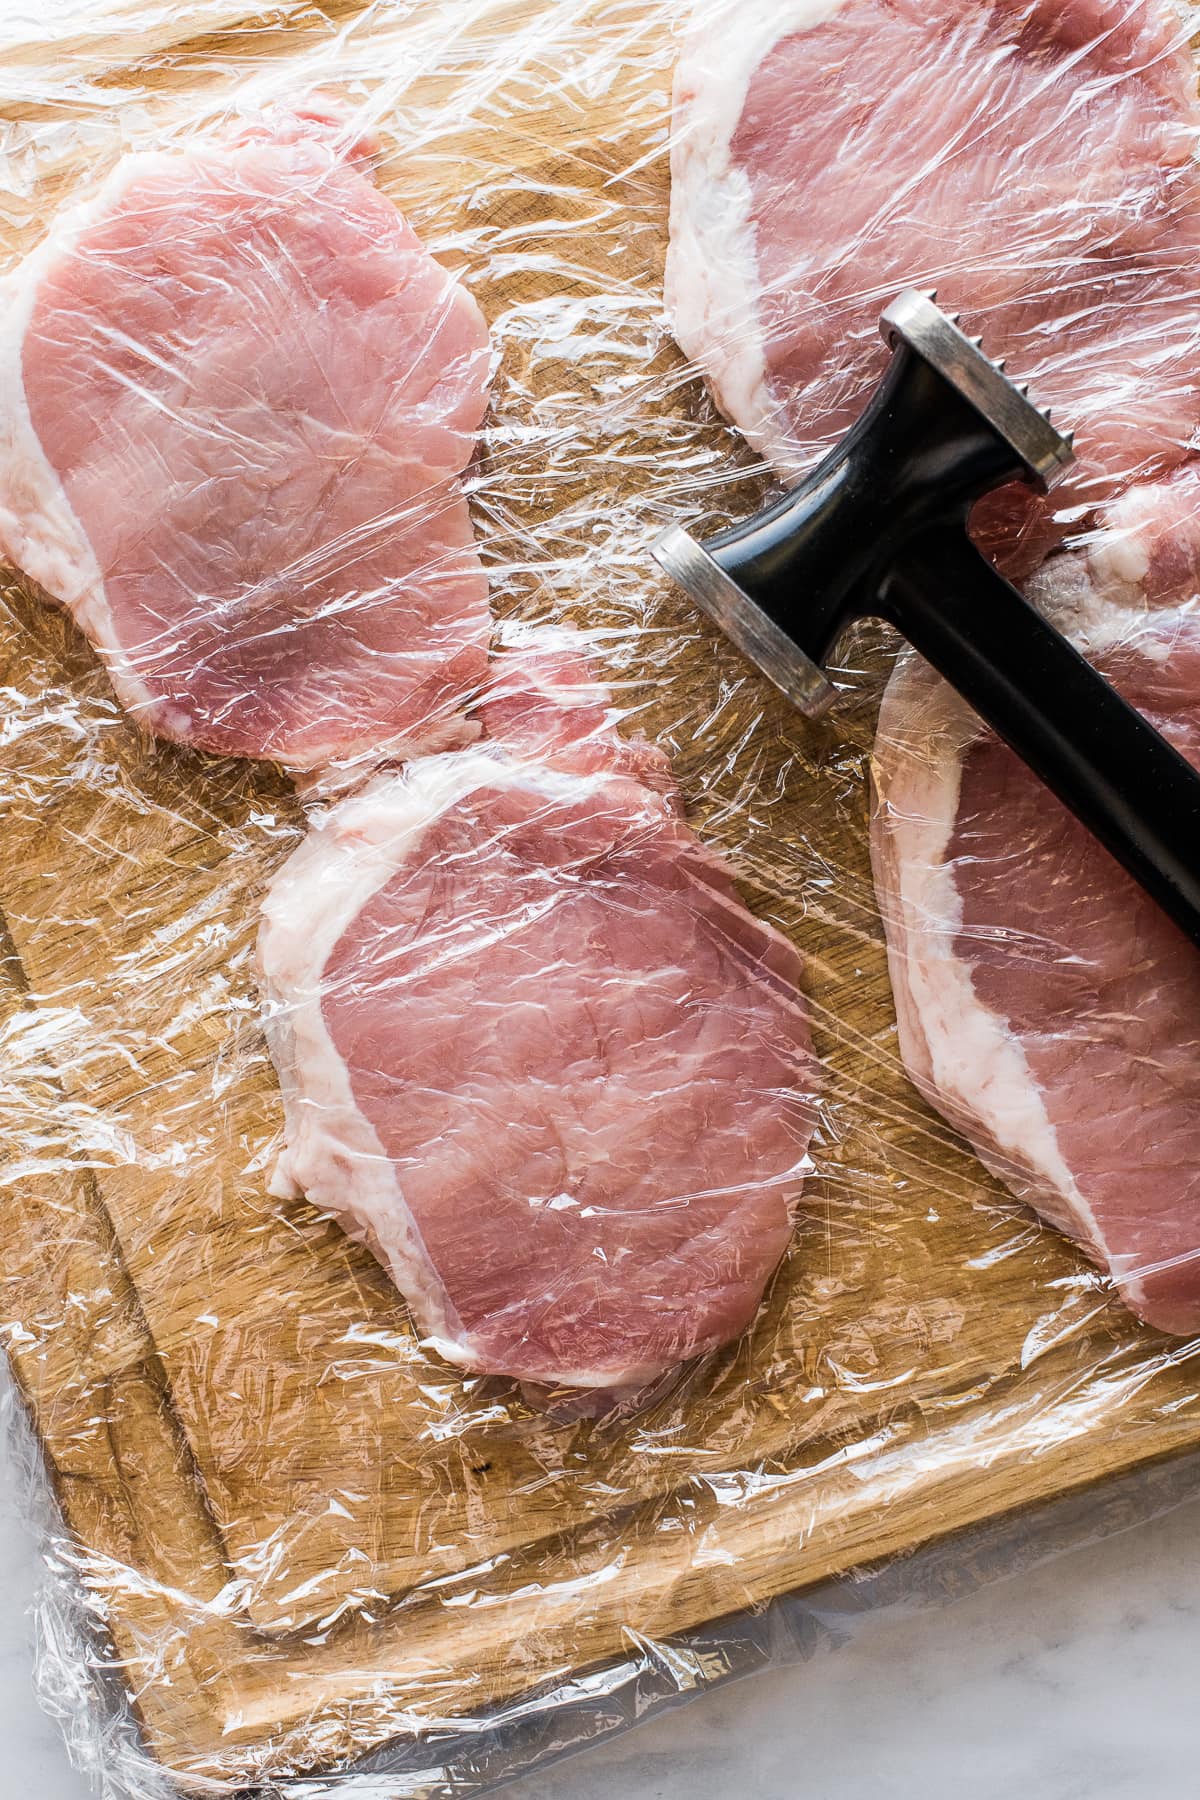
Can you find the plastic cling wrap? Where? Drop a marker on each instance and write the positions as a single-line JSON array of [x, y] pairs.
[[322, 1536]]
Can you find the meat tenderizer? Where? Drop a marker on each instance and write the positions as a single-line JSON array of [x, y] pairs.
[[879, 530]]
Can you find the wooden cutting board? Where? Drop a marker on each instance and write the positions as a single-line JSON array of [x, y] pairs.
[[303, 1533]]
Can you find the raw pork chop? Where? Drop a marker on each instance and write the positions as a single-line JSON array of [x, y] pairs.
[[1032, 160], [537, 1054], [236, 394], [1046, 1007]]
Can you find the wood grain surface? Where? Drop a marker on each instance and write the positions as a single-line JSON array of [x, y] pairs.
[[303, 1532]]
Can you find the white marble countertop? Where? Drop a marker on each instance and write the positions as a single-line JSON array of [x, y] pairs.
[[1076, 1681]]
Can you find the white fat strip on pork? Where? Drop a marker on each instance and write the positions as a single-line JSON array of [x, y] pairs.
[[1033, 161], [1046, 1007], [534, 1049], [236, 397]]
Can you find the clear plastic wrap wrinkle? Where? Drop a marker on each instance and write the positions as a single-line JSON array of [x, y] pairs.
[[528, 1165]]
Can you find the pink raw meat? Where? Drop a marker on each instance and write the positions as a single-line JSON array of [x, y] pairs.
[[535, 1051], [236, 394], [1032, 160], [1046, 1007], [1146, 550], [544, 703]]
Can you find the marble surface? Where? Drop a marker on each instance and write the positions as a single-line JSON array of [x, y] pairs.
[[33, 1764], [1076, 1681]]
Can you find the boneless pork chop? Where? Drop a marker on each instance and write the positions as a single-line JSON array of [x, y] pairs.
[[236, 395], [1046, 1007], [1033, 161], [536, 1052]]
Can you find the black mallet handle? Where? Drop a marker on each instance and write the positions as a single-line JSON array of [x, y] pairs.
[[1102, 759]]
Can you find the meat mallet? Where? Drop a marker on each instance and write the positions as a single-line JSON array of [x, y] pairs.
[[879, 530]]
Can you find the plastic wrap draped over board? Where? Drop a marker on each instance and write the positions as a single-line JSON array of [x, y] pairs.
[[300, 1531]]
